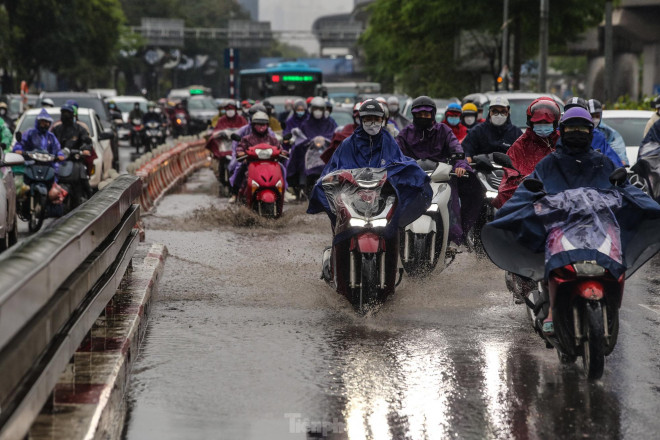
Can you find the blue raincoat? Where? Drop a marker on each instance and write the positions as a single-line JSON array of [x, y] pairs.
[[409, 181], [516, 239], [615, 140], [599, 142]]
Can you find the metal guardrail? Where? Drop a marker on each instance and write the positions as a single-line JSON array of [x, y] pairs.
[[53, 287]]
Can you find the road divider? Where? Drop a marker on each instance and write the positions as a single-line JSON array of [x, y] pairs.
[[167, 166]]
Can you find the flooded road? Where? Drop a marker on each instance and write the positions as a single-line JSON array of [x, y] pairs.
[[246, 342]]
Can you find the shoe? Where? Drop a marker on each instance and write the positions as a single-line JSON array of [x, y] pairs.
[[548, 328], [232, 199], [517, 299]]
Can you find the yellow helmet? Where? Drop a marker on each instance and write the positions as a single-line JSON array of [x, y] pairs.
[[470, 107]]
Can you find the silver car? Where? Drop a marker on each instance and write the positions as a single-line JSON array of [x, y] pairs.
[[630, 125], [8, 219]]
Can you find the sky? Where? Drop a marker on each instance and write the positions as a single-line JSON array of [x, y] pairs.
[[300, 15]]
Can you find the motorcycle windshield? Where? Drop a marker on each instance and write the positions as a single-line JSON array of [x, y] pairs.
[[357, 195], [581, 225], [313, 161], [648, 167]]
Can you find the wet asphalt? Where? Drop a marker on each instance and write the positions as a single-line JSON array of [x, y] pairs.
[[246, 342]]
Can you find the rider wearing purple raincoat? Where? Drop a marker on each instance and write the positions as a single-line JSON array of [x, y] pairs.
[[427, 139], [299, 116]]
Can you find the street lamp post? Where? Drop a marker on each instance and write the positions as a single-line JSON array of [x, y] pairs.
[[543, 46]]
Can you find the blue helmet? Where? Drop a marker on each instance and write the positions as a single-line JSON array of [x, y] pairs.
[[454, 107]]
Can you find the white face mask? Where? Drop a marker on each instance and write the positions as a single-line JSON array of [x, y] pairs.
[[596, 122], [318, 114], [469, 120], [393, 109], [326, 114], [230, 113], [372, 130], [498, 120]]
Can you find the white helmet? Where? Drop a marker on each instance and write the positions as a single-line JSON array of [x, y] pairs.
[[260, 118], [317, 102]]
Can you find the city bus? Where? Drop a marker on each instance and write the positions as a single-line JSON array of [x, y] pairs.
[[279, 79]]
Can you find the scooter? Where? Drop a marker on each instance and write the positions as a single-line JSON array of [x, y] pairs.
[[490, 176], [424, 242], [362, 263], [263, 191], [179, 124], [137, 129], [152, 135], [219, 144], [39, 175], [313, 163], [645, 174], [72, 176]]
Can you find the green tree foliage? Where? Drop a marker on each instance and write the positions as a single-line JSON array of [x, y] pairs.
[[412, 43]]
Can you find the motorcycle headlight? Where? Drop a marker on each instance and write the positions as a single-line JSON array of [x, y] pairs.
[[491, 194], [379, 223], [433, 208], [264, 153], [357, 222]]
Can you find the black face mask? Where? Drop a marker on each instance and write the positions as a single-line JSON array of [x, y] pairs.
[[67, 118], [577, 141], [423, 123]]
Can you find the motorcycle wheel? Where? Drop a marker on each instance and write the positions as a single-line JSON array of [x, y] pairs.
[[565, 359], [593, 346], [37, 214], [419, 265], [367, 293], [268, 210]]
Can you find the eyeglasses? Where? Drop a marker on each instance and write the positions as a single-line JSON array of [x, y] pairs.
[[499, 112]]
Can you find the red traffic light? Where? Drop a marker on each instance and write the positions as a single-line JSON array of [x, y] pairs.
[[275, 78]]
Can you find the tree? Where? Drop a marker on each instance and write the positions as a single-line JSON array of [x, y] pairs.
[[412, 43]]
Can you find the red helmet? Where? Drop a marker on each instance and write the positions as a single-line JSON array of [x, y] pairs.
[[309, 100], [543, 109]]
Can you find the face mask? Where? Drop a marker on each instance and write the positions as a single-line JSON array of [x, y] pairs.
[[469, 120], [372, 130], [498, 120], [577, 141], [261, 129], [3, 111], [300, 114], [393, 109], [423, 123], [318, 114], [596, 122], [453, 120], [43, 129], [326, 114], [231, 113], [543, 130]]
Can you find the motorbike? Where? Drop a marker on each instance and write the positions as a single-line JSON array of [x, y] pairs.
[[72, 176], [645, 174], [263, 191], [313, 163], [583, 267], [179, 124], [39, 175], [424, 242], [362, 263], [490, 176], [219, 144], [137, 130], [153, 135]]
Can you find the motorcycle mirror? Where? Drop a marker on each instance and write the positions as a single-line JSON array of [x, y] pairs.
[[235, 137], [533, 185], [12, 159], [287, 136], [19, 136], [502, 159], [618, 176]]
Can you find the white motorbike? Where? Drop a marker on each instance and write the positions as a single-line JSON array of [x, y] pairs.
[[423, 243]]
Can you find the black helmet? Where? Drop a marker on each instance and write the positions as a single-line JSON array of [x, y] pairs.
[[371, 107], [656, 102], [576, 102], [595, 106], [423, 101]]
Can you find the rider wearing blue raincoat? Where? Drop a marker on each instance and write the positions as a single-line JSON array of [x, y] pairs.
[[516, 239], [371, 146]]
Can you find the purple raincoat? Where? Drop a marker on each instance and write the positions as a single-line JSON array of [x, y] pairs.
[[311, 128]]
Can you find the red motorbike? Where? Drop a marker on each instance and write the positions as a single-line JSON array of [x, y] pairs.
[[219, 144], [362, 263], [263, 191]]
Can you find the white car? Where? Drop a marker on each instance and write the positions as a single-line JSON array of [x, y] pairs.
[[8, 219], [630, 125], [125, 104], [100, 139]]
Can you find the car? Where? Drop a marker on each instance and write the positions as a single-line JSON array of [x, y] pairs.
[[342, 116], [279, 101], [8, 217], [125, 104], [100, 138], [15, 107], [440, 103], [202, 110], [93, 101], [630, 125], [519, 101]]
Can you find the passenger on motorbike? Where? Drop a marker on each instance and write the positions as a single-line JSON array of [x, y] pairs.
[[400, 121], [299, 116], [469, 116], [535, 143], [115, 114], [5, 135], [453, 120], [389, 123], [273, 123], [427, 139], [599, 141], [573, 165], [655, 104], [496, 134], [371, 146], [136, 113], [72, 134], [231, 119], [40, 138], [259, 134], [5, 117], [287, 113], [245, 107], [614, 139]]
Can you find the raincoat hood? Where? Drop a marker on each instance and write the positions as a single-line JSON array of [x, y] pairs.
[[43, 115]]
